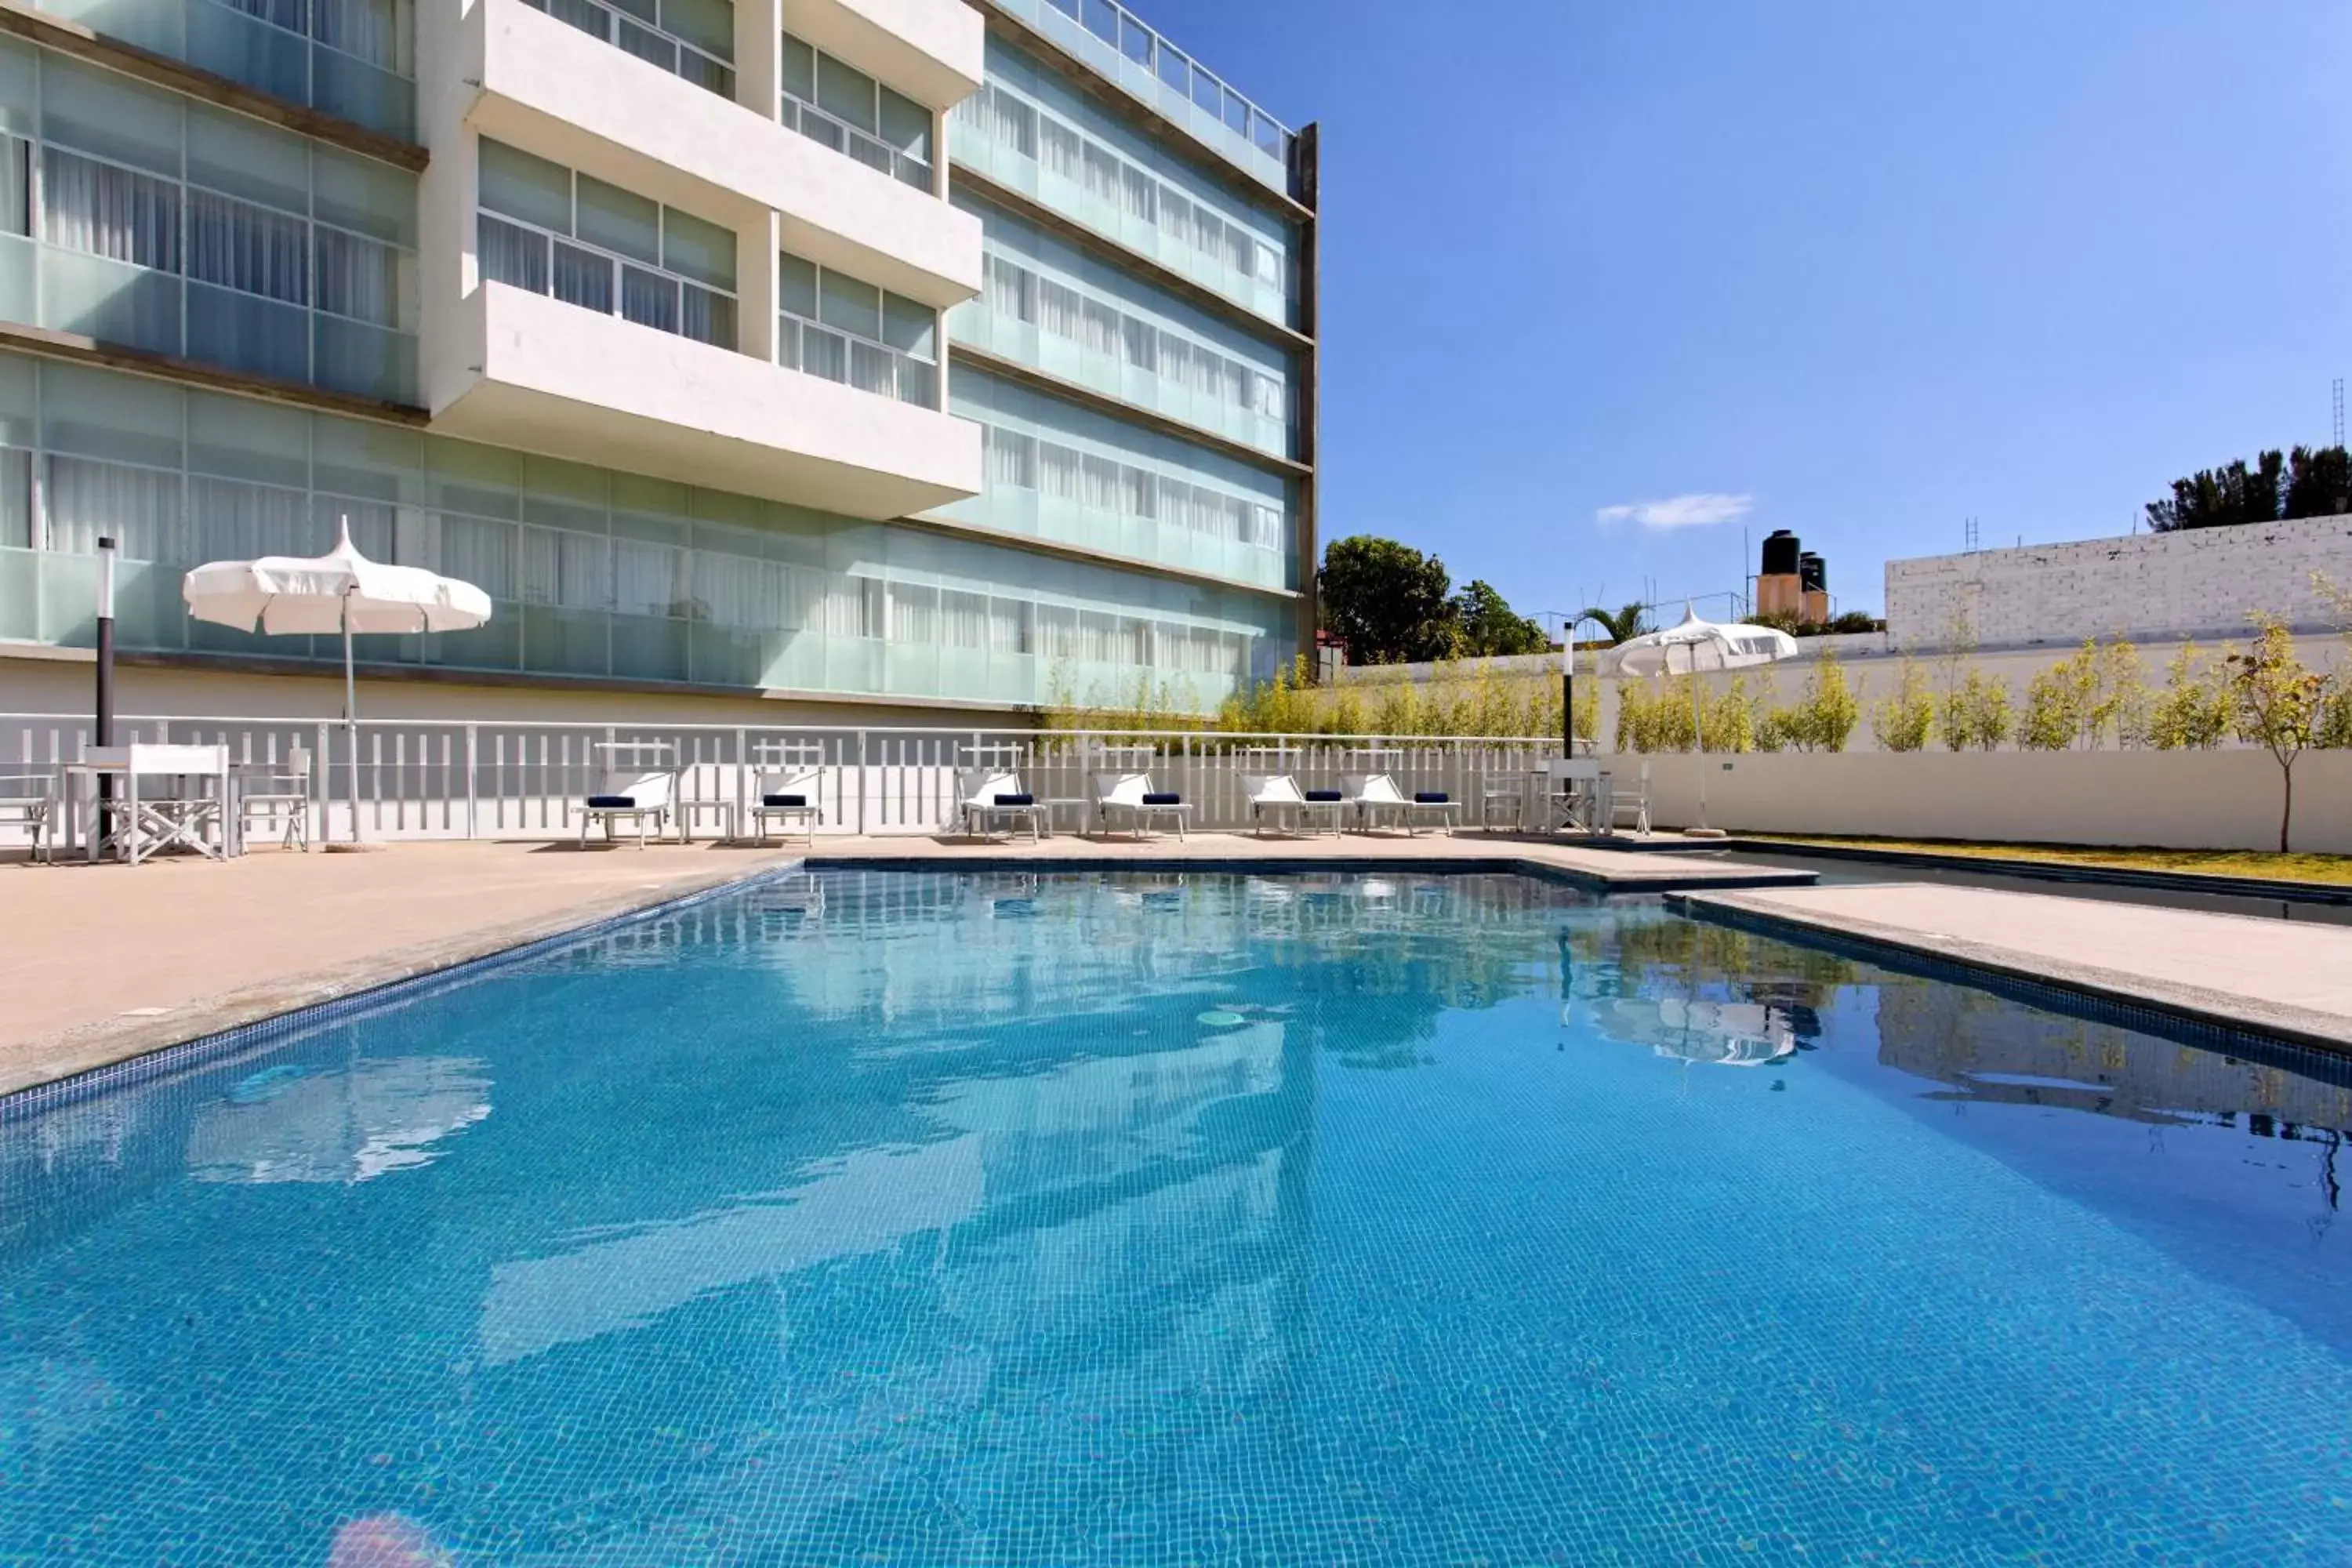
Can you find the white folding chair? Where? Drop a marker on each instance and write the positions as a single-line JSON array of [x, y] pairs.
[[175, 801], [1623, 801], [788, 796], [279, 794], [29, 801]]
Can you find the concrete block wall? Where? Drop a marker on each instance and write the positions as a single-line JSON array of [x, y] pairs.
[[2200, 583]]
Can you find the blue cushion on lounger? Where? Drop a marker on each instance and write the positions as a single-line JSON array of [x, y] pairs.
[[1016, 800], [1431, 797], [1159, 798], [1324, 795], [784, 800], [612, 801]]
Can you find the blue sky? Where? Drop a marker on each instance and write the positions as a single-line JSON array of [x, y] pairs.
[[1864, 268]]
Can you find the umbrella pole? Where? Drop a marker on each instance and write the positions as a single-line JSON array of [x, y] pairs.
[[1698, 733], [350, 723]]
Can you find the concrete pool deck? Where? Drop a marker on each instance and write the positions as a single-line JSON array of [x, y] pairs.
[[2286, 978], [103, 963]]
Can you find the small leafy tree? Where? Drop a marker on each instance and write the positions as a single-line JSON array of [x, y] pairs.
[[1977, 714], [2280, 706], [1731, 719], [1824, 720], [2196, 708], [1904, 721], [2053, 708]]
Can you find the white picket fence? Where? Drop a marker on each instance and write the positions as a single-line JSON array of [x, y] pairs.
[[433, 779]]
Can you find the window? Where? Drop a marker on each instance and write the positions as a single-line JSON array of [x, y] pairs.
[[844, 329], [179, 228], [1012, 459], [1134, 192], [691, 40], [830, 101], [1055, 308], [549, 229]]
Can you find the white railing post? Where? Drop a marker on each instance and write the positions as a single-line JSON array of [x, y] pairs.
[[742, 778], [321, 771], [473, 754], [861, 783]]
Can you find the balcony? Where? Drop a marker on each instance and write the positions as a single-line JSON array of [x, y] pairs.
[[560, 93], [522, 369], [931, 50]]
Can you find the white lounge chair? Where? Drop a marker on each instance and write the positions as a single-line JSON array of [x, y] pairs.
[[1274, 793], [29, 801], [1133, 793], [788, 796], [641, 794], [992, 795], [279, 794], [1373, 793]]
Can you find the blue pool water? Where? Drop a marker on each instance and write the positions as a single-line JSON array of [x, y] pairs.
[[973, 1218]]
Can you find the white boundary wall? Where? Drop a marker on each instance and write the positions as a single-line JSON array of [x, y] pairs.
[[2173, 800]]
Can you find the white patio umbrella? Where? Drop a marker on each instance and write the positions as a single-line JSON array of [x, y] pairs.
[[1698, 648], [289, 595]]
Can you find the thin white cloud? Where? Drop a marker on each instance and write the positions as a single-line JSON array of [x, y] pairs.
[[1680, 511]]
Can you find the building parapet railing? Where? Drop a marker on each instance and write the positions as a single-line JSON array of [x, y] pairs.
[[1131, 52], [422, 779]]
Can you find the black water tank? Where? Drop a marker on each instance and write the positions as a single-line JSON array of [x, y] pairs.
[[1812, 572], [1779, 554]]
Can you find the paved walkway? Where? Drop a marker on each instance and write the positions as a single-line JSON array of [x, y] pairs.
[[2283, 976], [101, 962]]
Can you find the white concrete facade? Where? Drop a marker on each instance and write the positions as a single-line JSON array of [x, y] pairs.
[[508, 367], [2199, 582]]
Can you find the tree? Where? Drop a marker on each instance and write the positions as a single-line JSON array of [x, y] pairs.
[[1977, 714], [1823, 720], [1904, 721], [2280, 706], [2217, 497], [1489, 627], [2194, 710], [1385, 602], [1626, 623], [2318, 483]]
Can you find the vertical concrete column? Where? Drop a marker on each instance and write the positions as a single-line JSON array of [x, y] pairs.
[[758, 54], [755, 287], [451, 45]]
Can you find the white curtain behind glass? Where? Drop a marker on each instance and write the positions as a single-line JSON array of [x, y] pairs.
[[110, 211], [139, 508]]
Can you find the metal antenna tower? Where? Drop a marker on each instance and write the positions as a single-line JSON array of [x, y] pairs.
[[1968, 533], [2339, 411]]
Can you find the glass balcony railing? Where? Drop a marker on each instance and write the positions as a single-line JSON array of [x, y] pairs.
[[1126, 51], [869, 366], [843, 137], [635, 26], [545, 263]]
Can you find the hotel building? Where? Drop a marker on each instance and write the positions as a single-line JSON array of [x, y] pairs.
[[849, 357]]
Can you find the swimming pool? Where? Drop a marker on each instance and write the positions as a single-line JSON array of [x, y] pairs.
[[991, 1218]]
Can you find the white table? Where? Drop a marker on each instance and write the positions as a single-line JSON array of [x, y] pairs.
[[142, 827]]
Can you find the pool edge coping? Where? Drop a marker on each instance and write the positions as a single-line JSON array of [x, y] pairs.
[[2033, 978], [112, 1052]]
